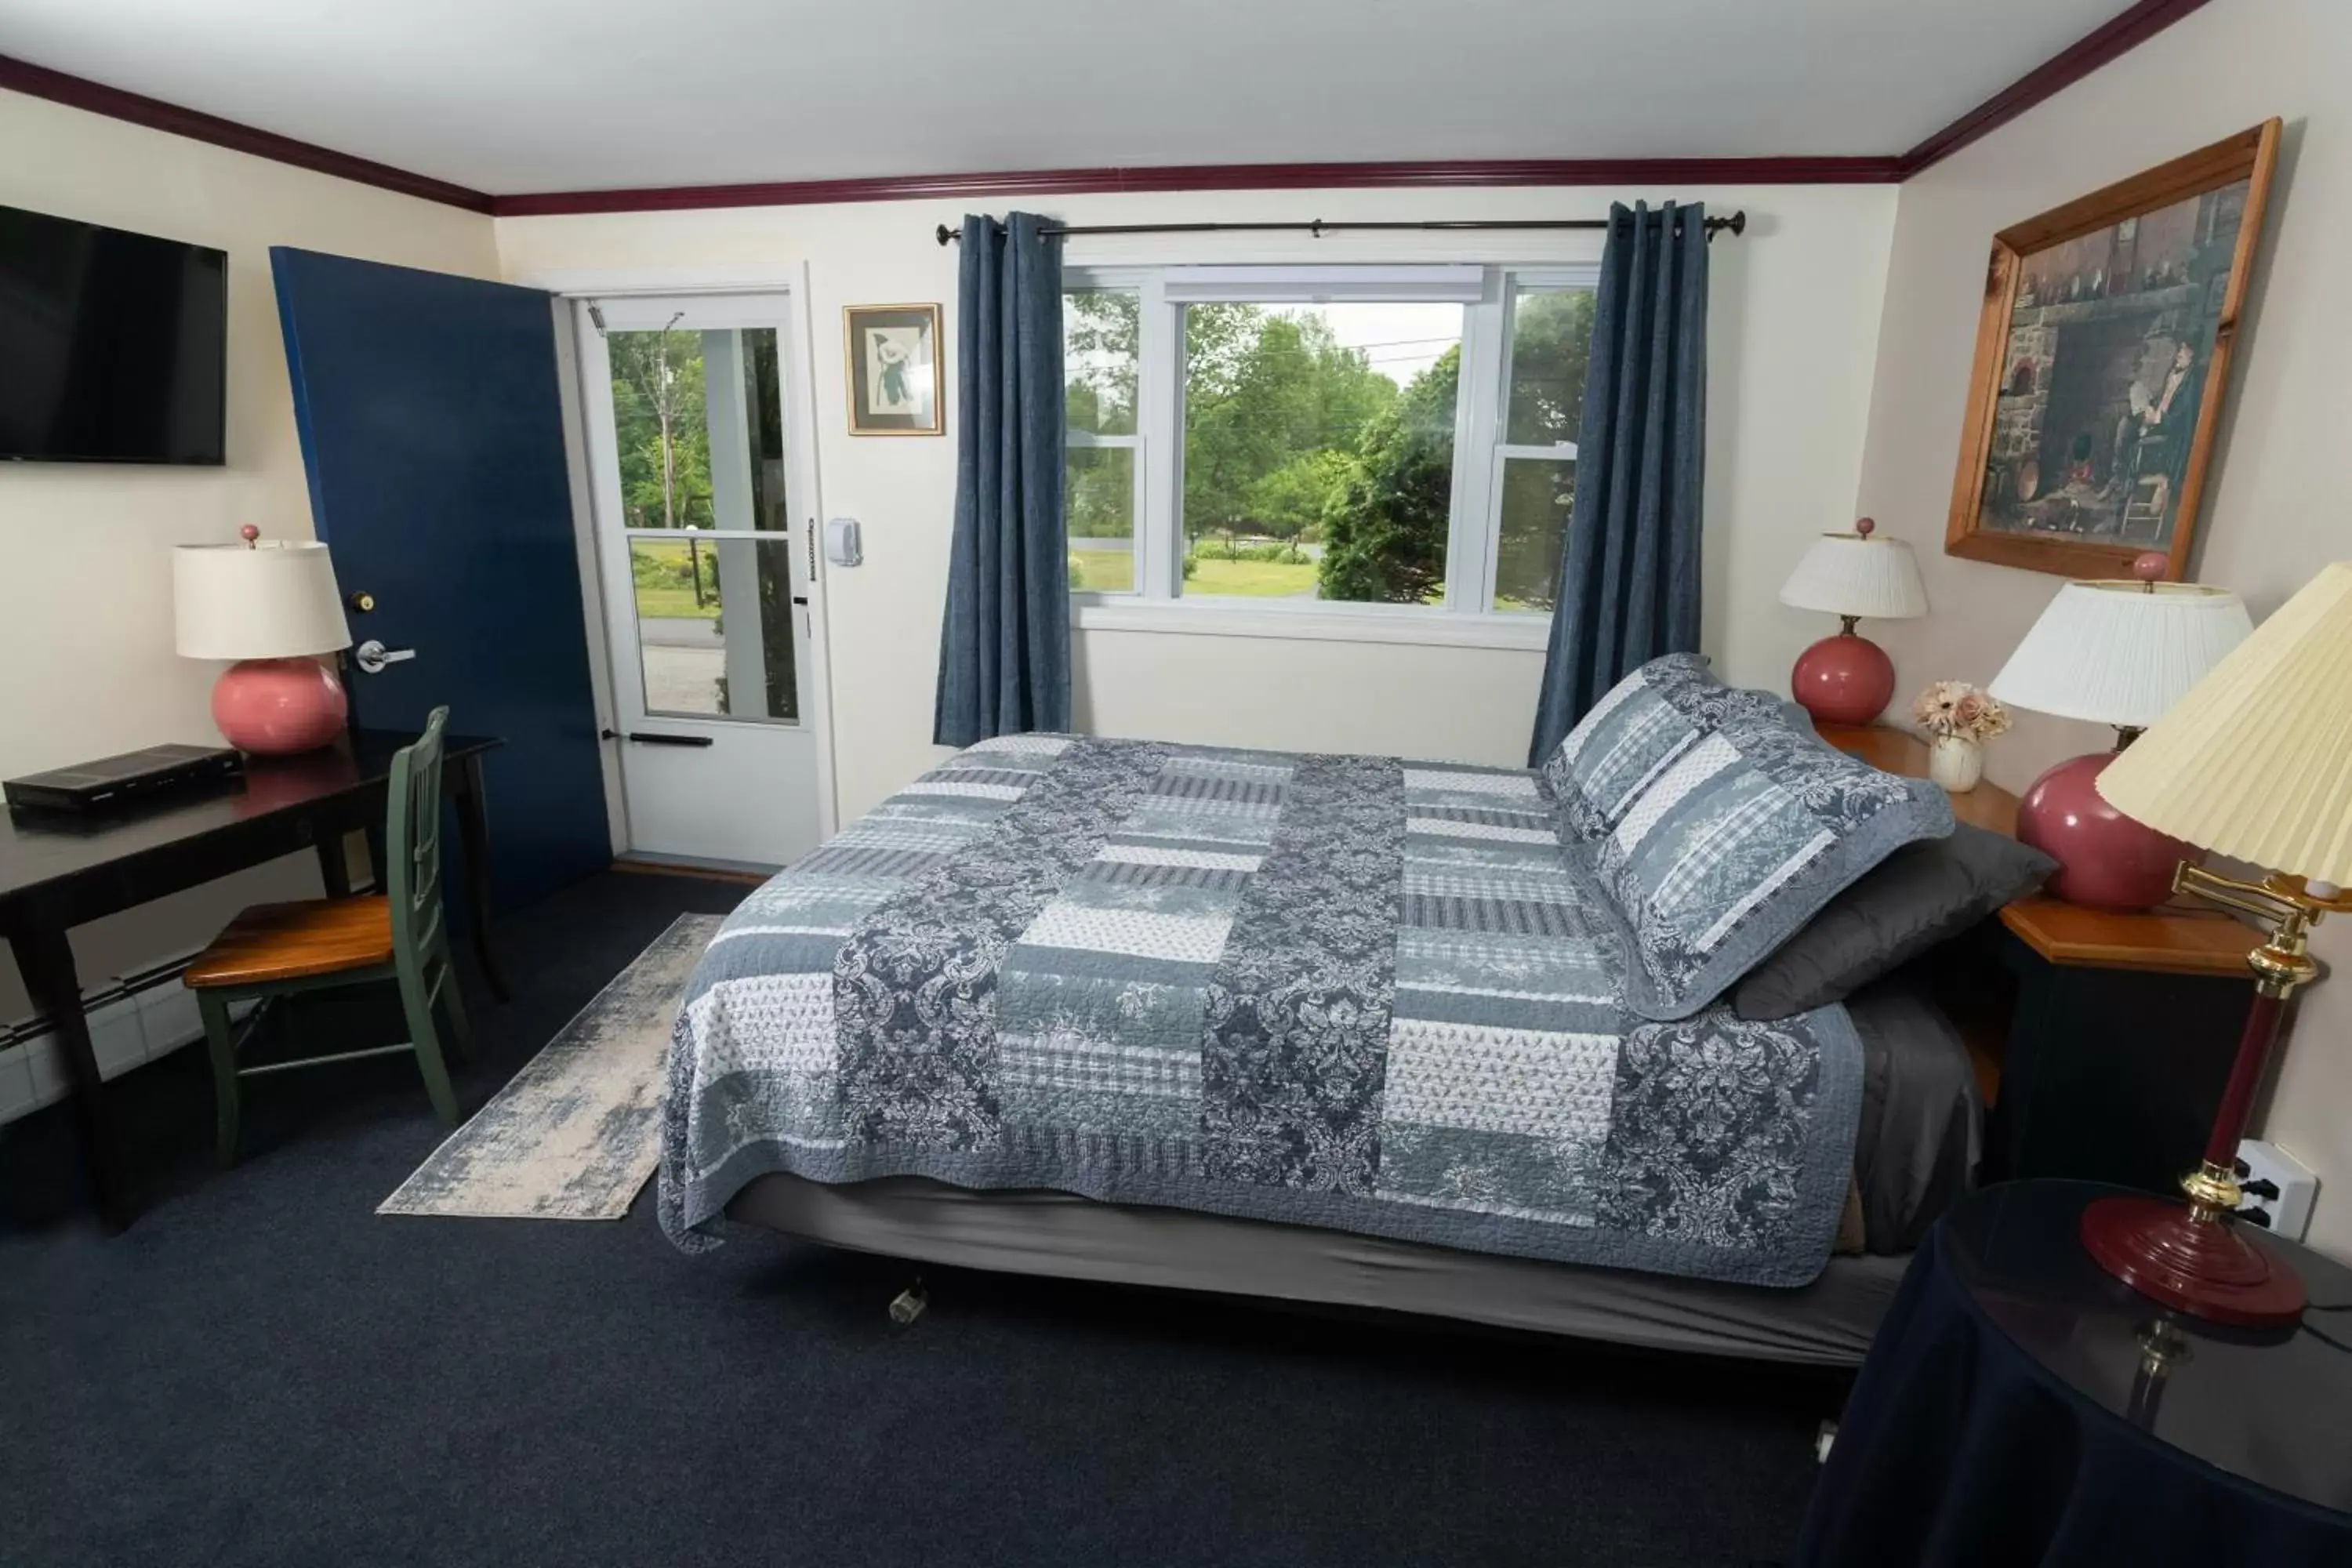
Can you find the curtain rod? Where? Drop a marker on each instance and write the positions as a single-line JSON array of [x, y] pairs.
[[1737, 222]]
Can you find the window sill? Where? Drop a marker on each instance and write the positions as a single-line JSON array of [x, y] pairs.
[[1311, 623]]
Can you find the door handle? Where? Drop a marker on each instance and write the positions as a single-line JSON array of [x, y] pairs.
[[372, 655], [645, 739]]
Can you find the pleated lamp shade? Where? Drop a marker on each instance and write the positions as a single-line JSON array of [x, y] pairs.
[[1854, 575], [2121, 653], [2256, 761]]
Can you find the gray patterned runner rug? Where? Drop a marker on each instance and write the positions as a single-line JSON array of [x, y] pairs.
[[577, 1131]]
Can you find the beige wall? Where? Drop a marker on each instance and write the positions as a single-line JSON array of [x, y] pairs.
[[2277, 508], [85, 659], [1794, 319]]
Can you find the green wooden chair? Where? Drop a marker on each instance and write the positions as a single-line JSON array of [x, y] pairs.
[[398, 935]]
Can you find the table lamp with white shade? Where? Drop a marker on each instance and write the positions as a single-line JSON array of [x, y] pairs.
[[273, 607], [1848, 679], [2255, 763], [2119, 652]]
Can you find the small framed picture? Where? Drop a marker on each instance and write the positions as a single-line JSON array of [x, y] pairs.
[[894, 368]]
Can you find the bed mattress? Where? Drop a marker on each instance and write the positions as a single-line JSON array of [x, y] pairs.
[[1916, 1150]]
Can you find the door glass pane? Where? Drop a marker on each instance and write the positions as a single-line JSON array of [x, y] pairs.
[[1319, 449], [1537, 492], [1551, 340], [1098, 496], [715, 626], [697, 421]]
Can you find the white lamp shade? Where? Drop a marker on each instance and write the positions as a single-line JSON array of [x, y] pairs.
[[1849, 574], [2121, 653], [2256, 763], [275, 599]]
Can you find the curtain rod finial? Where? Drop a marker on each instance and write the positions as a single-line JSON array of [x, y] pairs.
[[948, 236]]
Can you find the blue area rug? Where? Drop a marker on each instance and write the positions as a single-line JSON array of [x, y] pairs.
[[575, 1134]]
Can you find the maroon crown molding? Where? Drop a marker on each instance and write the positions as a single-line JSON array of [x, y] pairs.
[[1215, 177], [2119, 37], [79, 92], [2143, 21]]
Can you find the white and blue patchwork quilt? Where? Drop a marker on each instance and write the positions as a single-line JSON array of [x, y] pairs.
[[1349, 991]]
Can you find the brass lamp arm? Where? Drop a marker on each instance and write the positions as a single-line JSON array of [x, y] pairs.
[[2256, 899], [2286, 907]]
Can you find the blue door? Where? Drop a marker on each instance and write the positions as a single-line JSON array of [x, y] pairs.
[[433, 434]]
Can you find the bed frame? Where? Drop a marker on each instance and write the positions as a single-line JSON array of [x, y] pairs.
[[1826, 1323]]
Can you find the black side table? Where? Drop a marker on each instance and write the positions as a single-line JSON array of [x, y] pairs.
[[2018, 1405]]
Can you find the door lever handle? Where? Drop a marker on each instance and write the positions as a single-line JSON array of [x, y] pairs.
[[645, 739], [372, 655]]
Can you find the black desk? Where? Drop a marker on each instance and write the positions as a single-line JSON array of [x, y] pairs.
[[59, 870], [2020, 1406]]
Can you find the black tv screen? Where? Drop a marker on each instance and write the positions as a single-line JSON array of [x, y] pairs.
[[113, 346]]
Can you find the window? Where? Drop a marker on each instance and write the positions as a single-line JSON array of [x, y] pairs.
[[1099, 472], [1398, 440], [1543, 400]]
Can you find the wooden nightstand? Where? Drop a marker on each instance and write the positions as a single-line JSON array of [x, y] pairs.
[[2102, 1041]]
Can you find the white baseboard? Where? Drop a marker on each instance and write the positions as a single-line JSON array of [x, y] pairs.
[[133, 1020]]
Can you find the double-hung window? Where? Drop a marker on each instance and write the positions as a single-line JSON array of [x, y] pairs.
[[1391, 441]]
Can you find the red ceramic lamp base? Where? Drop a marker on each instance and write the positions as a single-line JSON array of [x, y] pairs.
[[2203, 1267], [1843, 679], [2106, 859], [278, 706]]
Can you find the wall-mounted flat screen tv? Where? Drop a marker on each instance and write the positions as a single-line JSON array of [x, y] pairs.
[[113, 346]]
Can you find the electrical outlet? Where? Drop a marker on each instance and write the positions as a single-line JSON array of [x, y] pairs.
[[2289, 1213]]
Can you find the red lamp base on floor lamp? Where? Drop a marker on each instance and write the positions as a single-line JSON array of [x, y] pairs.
[[2194, 1259], [2201, 1267]]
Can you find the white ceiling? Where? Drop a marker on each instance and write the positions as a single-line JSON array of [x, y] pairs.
[[509, 96]]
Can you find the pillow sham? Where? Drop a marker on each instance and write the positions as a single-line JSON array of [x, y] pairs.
[[1639, 729], [1734, 846], [1921, 895]]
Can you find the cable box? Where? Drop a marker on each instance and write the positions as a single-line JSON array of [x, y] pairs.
[[134, 775]]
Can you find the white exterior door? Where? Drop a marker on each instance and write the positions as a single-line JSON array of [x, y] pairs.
[[702, 472]]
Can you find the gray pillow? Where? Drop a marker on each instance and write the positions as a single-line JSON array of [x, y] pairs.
[[1922, 894]]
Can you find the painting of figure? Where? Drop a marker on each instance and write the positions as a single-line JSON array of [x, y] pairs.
[[894, 370], [2101, 363]]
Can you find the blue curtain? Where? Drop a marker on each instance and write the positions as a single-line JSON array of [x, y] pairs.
[[1005, 643], [1629, 579]]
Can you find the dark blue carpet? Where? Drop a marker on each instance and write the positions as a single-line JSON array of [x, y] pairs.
[[263, 1371]]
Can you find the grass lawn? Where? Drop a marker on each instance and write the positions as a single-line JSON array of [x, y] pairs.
[[1215, 577], [1103, 571], [666, 599], [1113, 571]]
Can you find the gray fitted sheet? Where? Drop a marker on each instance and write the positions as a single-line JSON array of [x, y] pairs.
[[1915, 1152], [1922, 1125], [1828, 1322]]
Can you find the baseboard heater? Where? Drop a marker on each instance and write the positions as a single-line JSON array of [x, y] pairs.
[[132, 1018]]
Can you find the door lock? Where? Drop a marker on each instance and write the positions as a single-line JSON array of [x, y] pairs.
[[360, 602], [372, 655]]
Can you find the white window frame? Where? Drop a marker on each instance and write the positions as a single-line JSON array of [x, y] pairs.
[[1466, 618]]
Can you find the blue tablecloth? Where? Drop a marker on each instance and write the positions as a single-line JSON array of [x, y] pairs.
[[2000, 1416]]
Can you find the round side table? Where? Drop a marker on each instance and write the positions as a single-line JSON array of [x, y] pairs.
[[2020, 1405]]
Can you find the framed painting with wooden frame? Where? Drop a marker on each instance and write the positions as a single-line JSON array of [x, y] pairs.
[[2103, 354], [893, 360]]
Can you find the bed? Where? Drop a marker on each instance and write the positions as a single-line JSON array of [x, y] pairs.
[[1423, 1036]]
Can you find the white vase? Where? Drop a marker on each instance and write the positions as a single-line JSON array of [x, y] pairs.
[[1956, 762]]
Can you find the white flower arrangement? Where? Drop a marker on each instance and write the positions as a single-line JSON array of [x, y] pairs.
[[1957, 707]]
